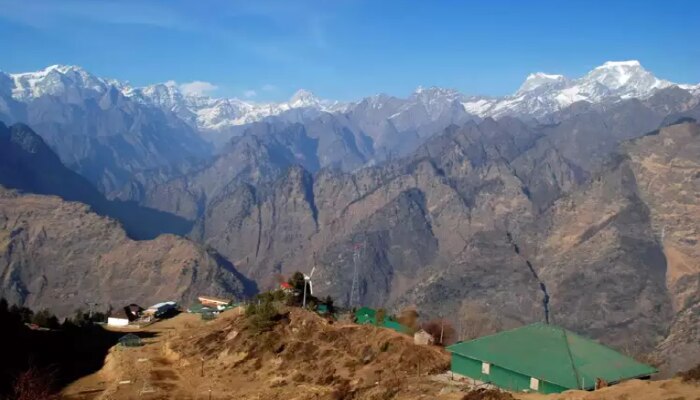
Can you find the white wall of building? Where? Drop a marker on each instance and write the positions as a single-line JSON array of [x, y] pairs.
[[117, 321]]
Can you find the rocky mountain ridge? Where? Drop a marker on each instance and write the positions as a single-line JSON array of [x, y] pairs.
[[59, 255], [28, 164], [95, 129], [488, 216], [583, 134], [394, 126]]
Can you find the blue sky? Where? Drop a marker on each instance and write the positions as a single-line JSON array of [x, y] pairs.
[[346, 49]]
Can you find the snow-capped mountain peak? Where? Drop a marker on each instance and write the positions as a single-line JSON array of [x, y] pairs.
[[303, 98], [435, 100], [166, 96], [540, 79], [617, 74], [618, 64], [542, 94], [434, 92], [539, 95], [56, 80]]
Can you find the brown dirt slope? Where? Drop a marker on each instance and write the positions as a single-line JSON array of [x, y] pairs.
[[310, 354]]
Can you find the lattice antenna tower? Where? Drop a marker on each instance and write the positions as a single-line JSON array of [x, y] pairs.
[[355, 288]]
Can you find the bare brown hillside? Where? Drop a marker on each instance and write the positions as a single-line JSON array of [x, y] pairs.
[[60, 255], [301, 357], [309, 352]]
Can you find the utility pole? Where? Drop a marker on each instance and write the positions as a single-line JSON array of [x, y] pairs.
[[442, 329]]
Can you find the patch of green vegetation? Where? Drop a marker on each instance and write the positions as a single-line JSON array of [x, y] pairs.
[[262, 315]]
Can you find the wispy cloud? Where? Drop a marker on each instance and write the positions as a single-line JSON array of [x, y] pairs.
[[199, 88], [250, 93], [292, 34], [268, 87], [44, 14]]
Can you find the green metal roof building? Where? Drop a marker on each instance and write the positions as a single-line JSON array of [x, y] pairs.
[[366, 315], [542, 358]]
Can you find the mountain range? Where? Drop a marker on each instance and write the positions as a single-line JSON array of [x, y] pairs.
[[110, 131], [572, 200]]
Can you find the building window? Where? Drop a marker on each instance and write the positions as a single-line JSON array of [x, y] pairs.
[[534, 384], [485, 368]]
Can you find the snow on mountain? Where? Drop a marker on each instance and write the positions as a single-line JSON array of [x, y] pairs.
[[693, 89], [73, 84], [304, 98], [539, 81], [539, 95], [435, 100], [67, 81], [542, 93], [209, 113]]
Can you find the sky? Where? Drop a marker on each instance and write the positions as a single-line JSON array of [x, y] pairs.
[[347, 49]]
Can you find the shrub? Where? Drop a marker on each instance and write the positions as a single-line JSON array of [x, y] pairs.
[[24, 313], [691, 375], [262, 317], [487, 394], [408, 317], [379, 316], [33, 384], [329, 303], [342, 391], [45, 319], [440, 329]]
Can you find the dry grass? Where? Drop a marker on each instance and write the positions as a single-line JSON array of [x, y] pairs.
[[487, 394], [304, 357], [691, 375]]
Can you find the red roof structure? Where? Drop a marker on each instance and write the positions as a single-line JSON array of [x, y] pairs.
[[285, 285]]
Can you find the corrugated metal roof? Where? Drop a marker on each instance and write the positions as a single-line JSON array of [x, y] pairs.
[[553, 354], [365, 312], [366, 315], [163, 304], [391, 324], [199, 308]]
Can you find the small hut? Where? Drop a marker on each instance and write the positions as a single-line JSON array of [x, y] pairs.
[[423, 338], [133, 311], [119, 318]]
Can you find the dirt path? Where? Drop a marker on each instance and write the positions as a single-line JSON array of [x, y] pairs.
[[140, 372]]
